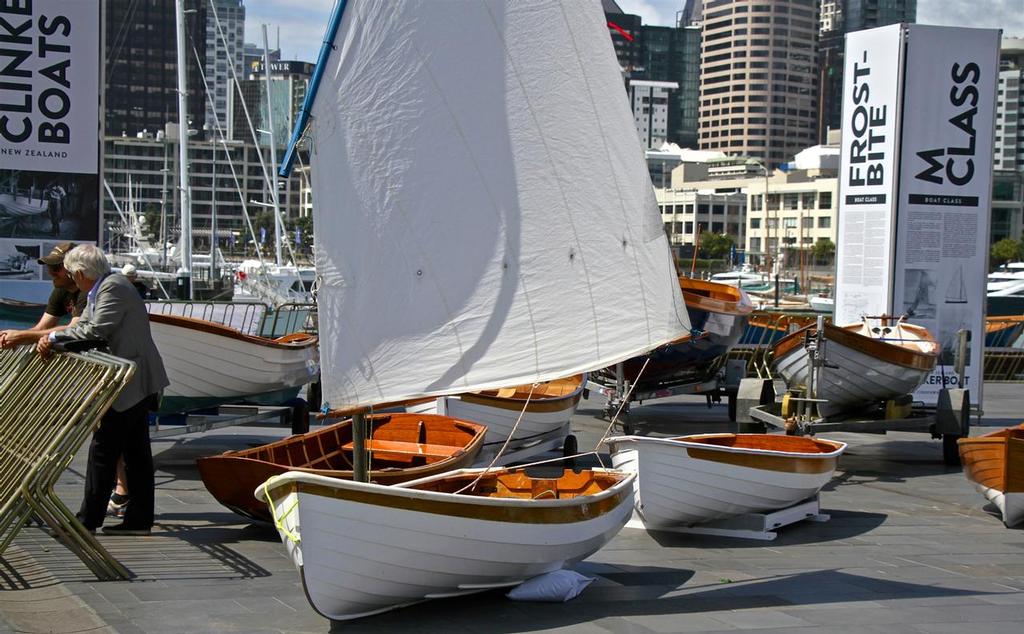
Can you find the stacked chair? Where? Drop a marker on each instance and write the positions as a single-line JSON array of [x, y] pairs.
[[48, 408]]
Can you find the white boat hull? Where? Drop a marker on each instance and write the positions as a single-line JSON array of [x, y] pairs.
[[1010, 505], [204, 367], [678, 487], [366, 549], [851, 378], [543, 427]]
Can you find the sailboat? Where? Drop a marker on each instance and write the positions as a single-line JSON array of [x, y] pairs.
[[956, 292], [479, 248]]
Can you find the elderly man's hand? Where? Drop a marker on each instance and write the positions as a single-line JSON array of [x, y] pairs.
[[44, 346], [4, 338]]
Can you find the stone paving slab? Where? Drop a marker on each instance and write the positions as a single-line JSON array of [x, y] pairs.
[[911, 547]]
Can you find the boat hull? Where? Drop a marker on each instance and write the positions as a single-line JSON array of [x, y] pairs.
[[542, 426], [366, 549], [994, 463], [685, 481], [209, 364], [856, 374], [718, 318], [231, 477]]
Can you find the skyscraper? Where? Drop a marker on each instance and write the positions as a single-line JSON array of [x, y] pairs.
[[672, 54], [223, 54], [758, 83], [141, 65], [839, 17]]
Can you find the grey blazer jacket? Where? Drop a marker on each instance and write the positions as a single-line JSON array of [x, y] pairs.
[[119, 316]]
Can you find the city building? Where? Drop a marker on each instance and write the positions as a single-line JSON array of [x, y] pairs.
[[686, 212], [649, 100], [627, 37], [289, 81], [839, 17], [672, 54], [225, 31], [758, 78], [1009, 140], [142, 66], [150, 163]]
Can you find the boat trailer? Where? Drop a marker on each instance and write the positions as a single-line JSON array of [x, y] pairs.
[[724, 383], [949, 419]]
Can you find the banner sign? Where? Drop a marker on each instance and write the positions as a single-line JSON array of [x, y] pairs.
[[50, 135], [945, 192], [867, 174]]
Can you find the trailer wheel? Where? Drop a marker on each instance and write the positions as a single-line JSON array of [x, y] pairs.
[[950, 450]]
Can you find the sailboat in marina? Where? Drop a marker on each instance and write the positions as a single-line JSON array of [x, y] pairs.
[[470, 245]]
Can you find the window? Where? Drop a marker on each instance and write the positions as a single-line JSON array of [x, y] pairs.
[[825, 200], [789, 223], [808, 200], [807, 222], [755, 223], [824, 222]]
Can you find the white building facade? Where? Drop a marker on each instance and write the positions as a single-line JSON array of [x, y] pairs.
[[649, 100]]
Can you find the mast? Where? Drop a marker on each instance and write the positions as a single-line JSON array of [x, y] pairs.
[[278, 228], [185, 272]]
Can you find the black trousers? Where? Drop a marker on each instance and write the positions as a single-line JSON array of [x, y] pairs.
[[120, 433]]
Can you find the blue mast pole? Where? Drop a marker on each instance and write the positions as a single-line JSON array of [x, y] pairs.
[[314, 85]]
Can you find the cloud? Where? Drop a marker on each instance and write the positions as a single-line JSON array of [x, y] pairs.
[[995, 14], [302, 26], [653, 12]]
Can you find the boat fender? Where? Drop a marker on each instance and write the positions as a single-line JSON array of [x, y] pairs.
[[557, 586]]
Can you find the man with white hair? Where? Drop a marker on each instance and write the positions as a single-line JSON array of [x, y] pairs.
[[115, 313]]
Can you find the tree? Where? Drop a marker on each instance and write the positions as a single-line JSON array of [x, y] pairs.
[[1005, 250], [823, 249], [716, 245]]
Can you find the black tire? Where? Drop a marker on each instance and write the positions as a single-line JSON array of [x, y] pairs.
[[569, 448], [314, 395], [950, 450], [300, 416]]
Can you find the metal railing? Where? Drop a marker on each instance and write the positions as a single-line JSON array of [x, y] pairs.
[[250, 318], [47, 410]]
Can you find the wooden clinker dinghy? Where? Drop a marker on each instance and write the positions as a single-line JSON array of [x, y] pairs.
[[869, 361], [995, 464], [402, 447], [694, 479]]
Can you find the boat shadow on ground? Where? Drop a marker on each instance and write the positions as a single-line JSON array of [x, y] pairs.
[[645, 592]]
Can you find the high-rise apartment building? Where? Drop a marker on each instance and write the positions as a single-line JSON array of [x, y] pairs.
[[672, 54], [141, 71], [289, 82], [1009, 147], [225, 33], [758, 77], [839, 17], [649, 100]]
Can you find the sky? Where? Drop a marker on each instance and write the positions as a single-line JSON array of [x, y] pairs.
[[302, 25]]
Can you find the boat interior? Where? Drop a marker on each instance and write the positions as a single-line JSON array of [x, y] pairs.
[[765, 442], [556, 388], [713, 296], [396, 441], [518, 484], [898, 333]]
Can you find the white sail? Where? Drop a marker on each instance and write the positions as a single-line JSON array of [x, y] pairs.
[[483, 211]]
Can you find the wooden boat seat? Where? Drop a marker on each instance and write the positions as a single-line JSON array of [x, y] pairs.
[[506, 392], [407, 448]]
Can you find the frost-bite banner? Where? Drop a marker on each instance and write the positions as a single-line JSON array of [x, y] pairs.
[[945, 192]]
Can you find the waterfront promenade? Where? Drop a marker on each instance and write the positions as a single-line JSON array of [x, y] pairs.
[[910, 547]]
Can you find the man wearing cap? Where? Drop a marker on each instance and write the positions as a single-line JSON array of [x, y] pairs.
[[116, 314], [132, 274], [65, 299]]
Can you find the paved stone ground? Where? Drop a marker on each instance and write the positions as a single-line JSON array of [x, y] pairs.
[[910, 547]]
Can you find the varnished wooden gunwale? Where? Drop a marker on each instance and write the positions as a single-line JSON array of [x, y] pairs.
[[232, 476], [550, 396], [767, 452], [887, 351], [469, 506], [288, 342], [714, 297]]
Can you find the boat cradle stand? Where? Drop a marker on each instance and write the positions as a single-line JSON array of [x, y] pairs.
[[949, 419], [761, 526]]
